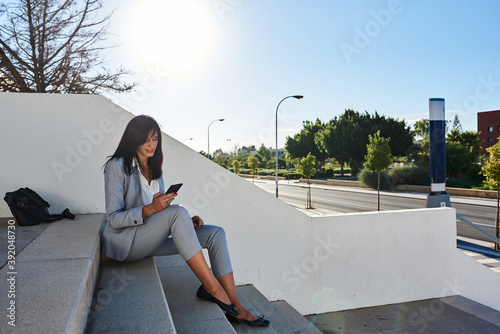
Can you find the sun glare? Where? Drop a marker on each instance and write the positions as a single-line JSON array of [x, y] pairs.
[[171, 34]]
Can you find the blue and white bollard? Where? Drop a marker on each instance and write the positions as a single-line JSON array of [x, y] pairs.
[[438, 196]]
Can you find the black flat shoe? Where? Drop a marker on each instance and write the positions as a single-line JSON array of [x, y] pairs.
[[259, 322], [202, 293]]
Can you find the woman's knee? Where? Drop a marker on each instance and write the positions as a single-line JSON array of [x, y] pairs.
[[173, 212], [215, 234], [177, 209]]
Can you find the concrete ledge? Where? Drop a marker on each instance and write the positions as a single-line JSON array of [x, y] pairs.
[[411, 188], [452, 191], [261, 177], [54, 277], [332, 182]]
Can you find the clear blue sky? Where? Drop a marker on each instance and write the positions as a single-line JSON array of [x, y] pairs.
[[200, 60]]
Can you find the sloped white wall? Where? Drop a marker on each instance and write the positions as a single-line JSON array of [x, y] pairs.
[[57, 144]]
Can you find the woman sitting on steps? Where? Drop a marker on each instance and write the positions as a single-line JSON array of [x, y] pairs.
[[140, 220]]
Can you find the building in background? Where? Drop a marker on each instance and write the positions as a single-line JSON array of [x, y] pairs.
[[488, 126]]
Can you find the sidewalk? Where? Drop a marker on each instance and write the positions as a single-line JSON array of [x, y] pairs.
[[454, 199]]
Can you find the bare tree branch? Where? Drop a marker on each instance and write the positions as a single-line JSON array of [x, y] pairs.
[[55, 46]]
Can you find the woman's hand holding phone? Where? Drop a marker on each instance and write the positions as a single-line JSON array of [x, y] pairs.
[[161, 201]]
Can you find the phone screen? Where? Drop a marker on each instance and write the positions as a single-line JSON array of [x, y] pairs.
[[174, 188]]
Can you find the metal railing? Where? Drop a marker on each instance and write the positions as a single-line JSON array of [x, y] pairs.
[[479, 229]]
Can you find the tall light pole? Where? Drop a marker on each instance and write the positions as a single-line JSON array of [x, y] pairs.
[[215, 120], [298, 97]]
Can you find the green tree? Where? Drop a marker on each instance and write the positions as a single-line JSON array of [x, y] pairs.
[[264, 152], [306, 168], [421, 128], [457, 125], [236, 166], [262, 161], [253, 164], [243, 153], [468, 139], [462, 154], [491, 170], [378, 158], [421, 154], [55, 46], [221, 158], [400, 133], [343, 137], [304, 142]]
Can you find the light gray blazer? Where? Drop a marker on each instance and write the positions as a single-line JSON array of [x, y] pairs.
[[123, 209]]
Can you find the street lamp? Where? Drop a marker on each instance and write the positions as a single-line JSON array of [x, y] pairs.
[[215, 120], [187, 139], [298, 97]]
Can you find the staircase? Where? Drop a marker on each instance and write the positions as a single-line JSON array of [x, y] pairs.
[[159, 296], [63, 286], [192, 315]]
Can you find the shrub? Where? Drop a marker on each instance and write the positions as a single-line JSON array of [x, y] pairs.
[[266, 172], [293, 175], [371, 179], [410, 174], [324, 174], [464, 182], [483, 187]]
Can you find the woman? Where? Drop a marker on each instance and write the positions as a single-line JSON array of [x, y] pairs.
[[140, 220]]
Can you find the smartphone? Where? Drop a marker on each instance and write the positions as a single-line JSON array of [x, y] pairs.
[[174, 188]]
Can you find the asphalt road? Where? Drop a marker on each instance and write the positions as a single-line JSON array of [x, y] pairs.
[[336, 199]]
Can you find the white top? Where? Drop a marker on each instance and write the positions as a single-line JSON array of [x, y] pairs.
[[147, 190], [436, 109]]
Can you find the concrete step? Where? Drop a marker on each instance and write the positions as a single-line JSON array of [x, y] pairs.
[[190, 314], [241, 328], [283, 317], [129, 298], [53, 276]]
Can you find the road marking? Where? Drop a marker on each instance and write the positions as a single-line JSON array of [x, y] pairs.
[[492, 263], [471, 254], [480, 224], [488, 261]]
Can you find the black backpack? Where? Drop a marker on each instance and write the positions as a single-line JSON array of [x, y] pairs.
[[29, 208]]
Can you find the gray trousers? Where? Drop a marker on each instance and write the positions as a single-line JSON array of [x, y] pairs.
[[153, 239]]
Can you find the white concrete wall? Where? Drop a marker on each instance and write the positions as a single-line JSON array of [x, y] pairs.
[[57, 144]]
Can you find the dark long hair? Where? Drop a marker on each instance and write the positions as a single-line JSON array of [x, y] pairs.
[[135, 135]]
